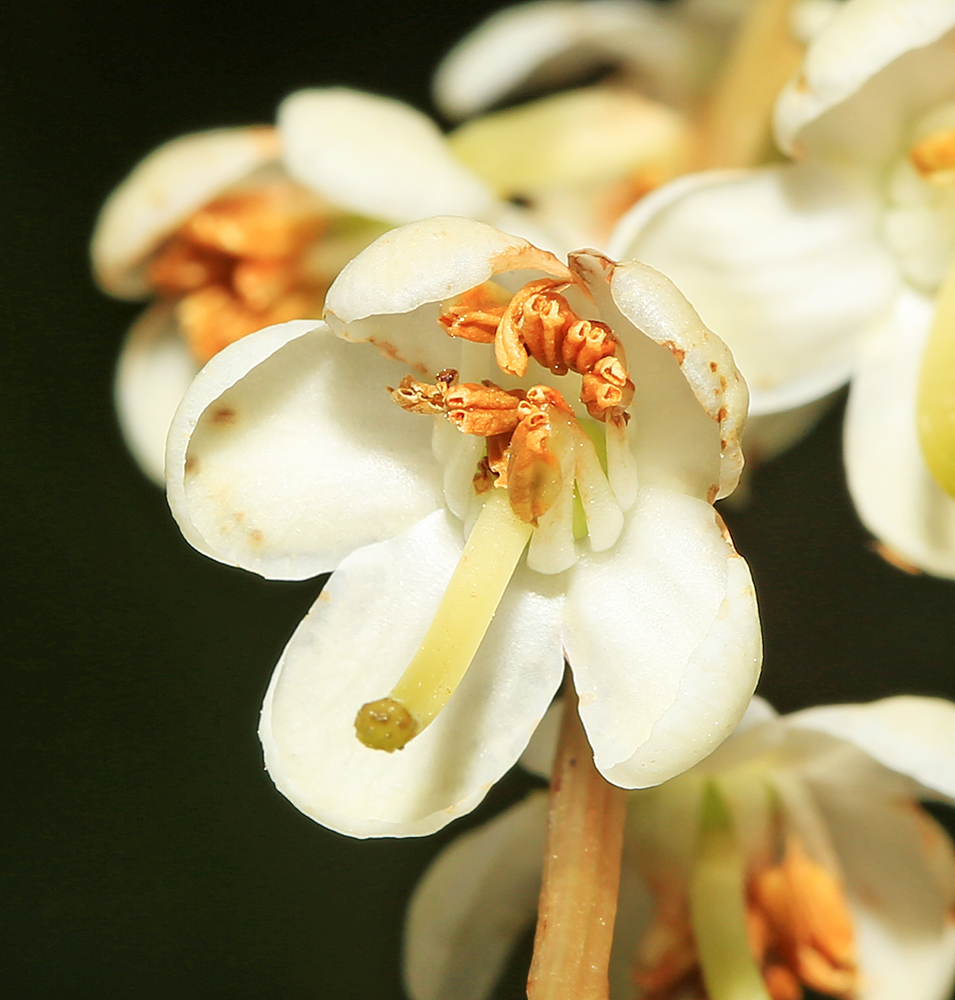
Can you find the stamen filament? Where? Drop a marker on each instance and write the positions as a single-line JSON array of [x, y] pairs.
[[621, 467], [604, 517], [936, 391], [718, 907], [487, 563]]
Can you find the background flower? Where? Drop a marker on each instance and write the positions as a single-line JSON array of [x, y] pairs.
[[815, 269], [839, 781]]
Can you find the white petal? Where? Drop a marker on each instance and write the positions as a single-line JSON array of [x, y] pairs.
[[376, 156], [910, 735], [553, 42], [287, 453], [899, 869], [663, 637], [154, 371], [163, 191], [785, 264], [874, 65], [473, 903], [690, 401], [351, 649], [894, 493], [391, 293]]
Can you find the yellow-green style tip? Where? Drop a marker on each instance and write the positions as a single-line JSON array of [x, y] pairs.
[[385, 725]]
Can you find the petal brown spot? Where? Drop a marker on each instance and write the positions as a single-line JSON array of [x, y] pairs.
[[676, 351], [223, 415]]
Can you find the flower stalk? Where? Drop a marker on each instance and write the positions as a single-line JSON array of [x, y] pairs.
[[735, 130], [578, 901], [718, 907]]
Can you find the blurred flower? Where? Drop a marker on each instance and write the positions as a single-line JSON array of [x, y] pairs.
[[844, 883], [668, 53], [235, 229], [288, 458], [577, 160], [821, 271]]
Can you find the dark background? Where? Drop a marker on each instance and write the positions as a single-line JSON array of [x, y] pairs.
[[145, 852]]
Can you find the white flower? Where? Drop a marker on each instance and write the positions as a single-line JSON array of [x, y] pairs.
[[234, 229], [819, 271], [849, 884], [288, 457], [668, 52]]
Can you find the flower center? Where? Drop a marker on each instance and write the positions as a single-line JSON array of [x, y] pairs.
[[920, 216], [758, 934], [538, 462], [536, 446], [240, 263]]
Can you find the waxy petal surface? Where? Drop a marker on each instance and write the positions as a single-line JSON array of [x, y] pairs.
[[351, 649], [163, 191], [287, 453], [376, 156], [663, 638], [472, 905], [784, 264], [895, 495], [910, 735], [154, 371]]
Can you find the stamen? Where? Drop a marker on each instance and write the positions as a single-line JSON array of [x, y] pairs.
[[476, 314], [539, 323], [621, 467], [535, 470], [236, 265], [552, 544], [936, 391], [807, 921], [934, 157], [603, 513], [487, 563], [276, 221], [718, 907]]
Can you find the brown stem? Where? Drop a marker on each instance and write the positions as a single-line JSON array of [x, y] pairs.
[[578, 901], [735, 130]]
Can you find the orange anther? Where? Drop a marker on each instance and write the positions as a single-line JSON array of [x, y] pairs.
[[934, 155]]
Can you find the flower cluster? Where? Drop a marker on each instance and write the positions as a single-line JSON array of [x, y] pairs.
[[505, 438]]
